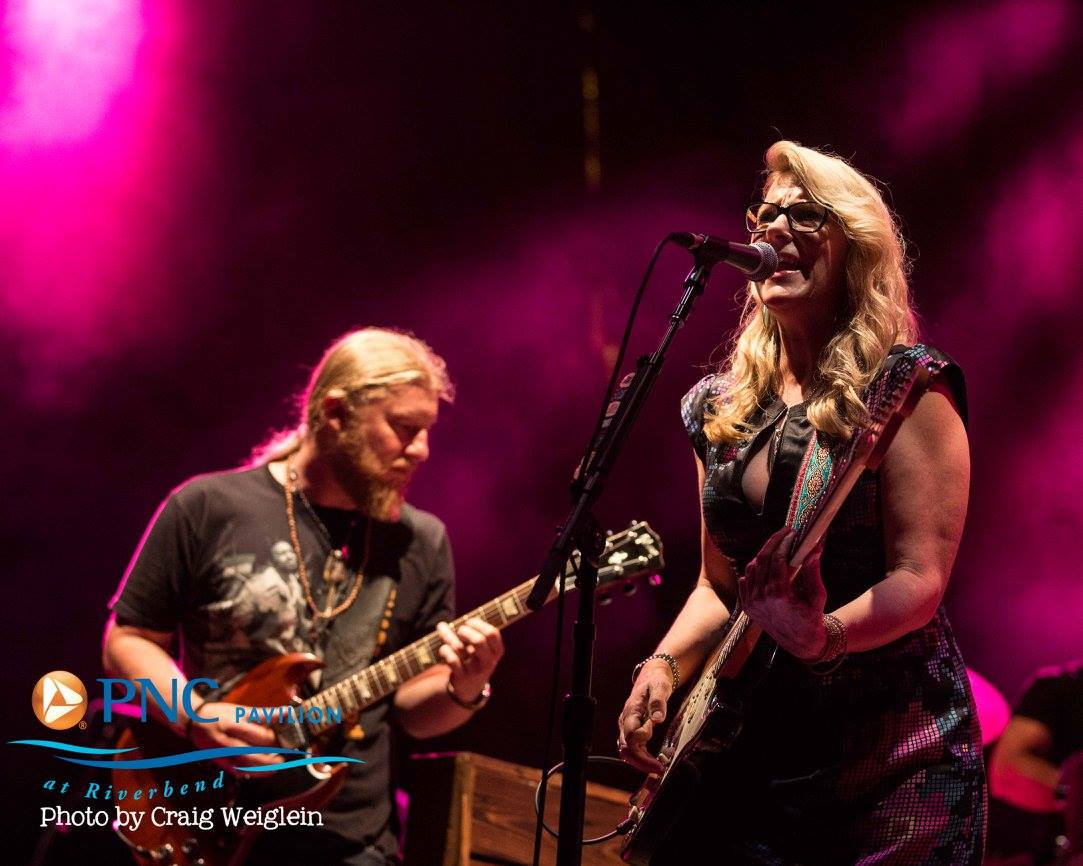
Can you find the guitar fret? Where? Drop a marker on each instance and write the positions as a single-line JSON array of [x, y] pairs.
[[346, 697], [492, 615], [388, 674], [375, 682], [363, 687]]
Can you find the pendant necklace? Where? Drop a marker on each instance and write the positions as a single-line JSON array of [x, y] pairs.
[[335, 569]]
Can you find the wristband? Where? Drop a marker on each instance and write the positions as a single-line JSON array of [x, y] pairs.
[[834, 650], [480, 701], [668, 659]]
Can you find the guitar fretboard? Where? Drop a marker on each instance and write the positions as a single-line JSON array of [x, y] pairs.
[[372, 684]]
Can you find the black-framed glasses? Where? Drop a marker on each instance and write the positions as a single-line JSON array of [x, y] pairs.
[[803, 216]]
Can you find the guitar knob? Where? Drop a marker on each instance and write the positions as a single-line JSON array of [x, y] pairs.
[[629, 588], [655, 580], [604, 598]]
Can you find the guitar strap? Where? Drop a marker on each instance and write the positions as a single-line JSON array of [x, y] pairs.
[[823, 461]]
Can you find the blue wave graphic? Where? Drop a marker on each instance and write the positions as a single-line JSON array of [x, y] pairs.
[[184, 757], [300, 762], [68, 747]]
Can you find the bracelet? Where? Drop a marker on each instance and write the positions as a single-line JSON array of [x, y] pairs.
[[480, 701], [668, 659], [834, 650]]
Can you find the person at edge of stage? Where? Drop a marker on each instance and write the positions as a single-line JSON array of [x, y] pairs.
[[312, 548], [1036, 771], [862, 743]]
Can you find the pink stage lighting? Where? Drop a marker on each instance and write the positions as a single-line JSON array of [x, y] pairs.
[[69, 60]]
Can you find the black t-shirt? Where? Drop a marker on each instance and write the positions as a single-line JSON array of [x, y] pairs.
[[217, 566], [1055, 698]]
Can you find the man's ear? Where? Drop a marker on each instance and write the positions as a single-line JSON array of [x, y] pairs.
[[335, 411]]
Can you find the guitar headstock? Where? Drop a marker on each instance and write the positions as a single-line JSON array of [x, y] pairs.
[[628, 554]]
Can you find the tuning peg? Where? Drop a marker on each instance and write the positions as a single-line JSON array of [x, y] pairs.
[[604, 598], [608, 533], [632, 522], [655, 580]]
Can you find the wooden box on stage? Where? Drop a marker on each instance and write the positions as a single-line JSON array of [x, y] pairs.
[[469, 810]]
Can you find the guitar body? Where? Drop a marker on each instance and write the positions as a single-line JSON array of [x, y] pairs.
[[708, 722], [276, 682]]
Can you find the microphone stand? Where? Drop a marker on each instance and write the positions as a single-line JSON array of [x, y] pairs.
[[581, 529]]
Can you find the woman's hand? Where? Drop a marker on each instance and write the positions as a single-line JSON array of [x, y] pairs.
[[645, 708], [787, 603]]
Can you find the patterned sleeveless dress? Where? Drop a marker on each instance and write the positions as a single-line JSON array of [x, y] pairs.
[[878, 762]]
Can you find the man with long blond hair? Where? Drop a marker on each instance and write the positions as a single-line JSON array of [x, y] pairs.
[[861, 744], [313, 548]]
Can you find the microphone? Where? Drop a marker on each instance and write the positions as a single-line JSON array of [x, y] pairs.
[[758, 260]]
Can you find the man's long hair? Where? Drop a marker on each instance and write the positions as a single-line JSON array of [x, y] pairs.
[[878, 311], [362, 366]]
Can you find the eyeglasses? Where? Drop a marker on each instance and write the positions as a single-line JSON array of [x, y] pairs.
[[803, 216]]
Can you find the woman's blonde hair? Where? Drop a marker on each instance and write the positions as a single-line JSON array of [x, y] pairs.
[[878, 312], [362, 365]]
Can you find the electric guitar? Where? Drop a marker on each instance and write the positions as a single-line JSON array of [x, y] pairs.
[[277, 682], [710, 717]]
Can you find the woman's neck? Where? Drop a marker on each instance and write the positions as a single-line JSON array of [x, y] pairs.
[[801, 349]]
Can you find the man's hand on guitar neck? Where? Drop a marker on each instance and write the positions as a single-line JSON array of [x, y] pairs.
[[227, 731]]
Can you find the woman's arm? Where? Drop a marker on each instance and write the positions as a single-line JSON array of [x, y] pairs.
[[694, 633], [925, 484]]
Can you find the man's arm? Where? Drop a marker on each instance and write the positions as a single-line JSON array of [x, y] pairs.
[[141, 653], [424, 707], [1020, 770]]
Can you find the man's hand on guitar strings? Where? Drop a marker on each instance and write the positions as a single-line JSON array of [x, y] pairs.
[[472, 654], [229, 732], [787, 602], [645, 708]]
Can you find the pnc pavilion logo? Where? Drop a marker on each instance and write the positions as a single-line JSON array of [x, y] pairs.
[[59, 700]]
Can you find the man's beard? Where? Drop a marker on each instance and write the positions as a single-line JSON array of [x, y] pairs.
[[359, 473]]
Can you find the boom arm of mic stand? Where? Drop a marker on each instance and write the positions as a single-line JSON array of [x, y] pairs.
[[589, 484]]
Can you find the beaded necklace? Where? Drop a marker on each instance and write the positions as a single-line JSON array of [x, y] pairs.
[[334, 569]]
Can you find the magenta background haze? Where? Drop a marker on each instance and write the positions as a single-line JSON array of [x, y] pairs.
[[197, 198]]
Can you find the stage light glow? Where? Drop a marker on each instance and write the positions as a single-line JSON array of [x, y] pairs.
[[958, 62], [70, 59]]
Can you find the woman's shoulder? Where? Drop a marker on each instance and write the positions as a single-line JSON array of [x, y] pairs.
[[704, 392], [903, 361], [919, 354], [695, 406]]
